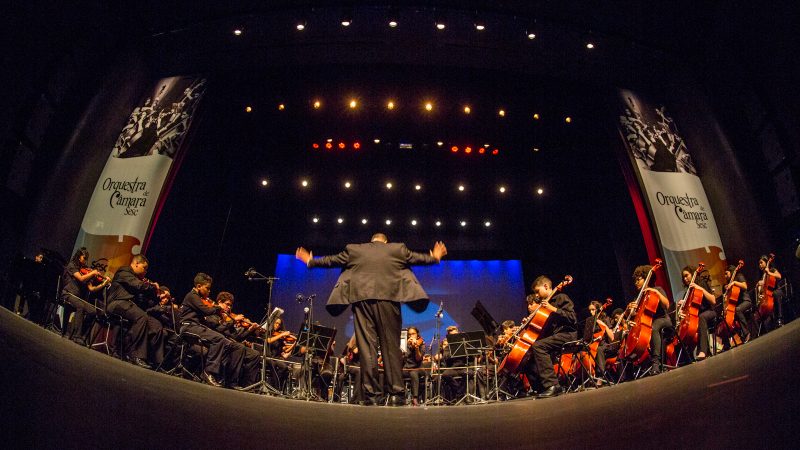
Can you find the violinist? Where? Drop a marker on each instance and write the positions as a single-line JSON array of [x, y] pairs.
[[767, 267], [224, 359], [561, 328], [598, 324], [661, 319], [166, 311], [236, 328], [281, 345], [707, 308], [78, 282], [454, 368], [144, 343], [412, 361]]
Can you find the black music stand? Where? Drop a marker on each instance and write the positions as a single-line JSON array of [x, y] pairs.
[[466, 345], [316, 341], [487, 322]]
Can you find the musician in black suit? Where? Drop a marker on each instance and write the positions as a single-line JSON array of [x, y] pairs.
[[376, 279], [561, 328]]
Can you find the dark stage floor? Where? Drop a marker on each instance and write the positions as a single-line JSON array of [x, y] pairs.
[[57, 394]]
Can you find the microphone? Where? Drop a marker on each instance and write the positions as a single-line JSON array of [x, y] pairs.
[[312, 296], [306, 310], [249, 272], [441, 308], [299, 298]]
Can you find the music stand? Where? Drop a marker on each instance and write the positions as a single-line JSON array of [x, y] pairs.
[[262, 384], [466, 345], [316, 340], [486, 321]]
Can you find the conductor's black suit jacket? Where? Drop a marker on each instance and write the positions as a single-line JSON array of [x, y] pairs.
[[375, 271]]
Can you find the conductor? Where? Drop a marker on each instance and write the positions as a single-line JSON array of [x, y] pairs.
[[376, 278]]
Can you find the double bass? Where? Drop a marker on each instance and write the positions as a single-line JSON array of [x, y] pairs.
[[687, 318], [635, 346], [766, 299], [529, 331]]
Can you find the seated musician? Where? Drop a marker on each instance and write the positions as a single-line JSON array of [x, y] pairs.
[[599, 329], [166, 311], [708, 312], [145, 340], [231, 326], [281, 344], [610, 348], [78, 282], [454, 369], [661, 319], [224, 358], [412, 361], [775, 320], [561, 328], [352, 370], [494, 356], [745, 303]]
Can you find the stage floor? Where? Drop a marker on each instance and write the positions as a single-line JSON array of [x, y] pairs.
[[58, 394]]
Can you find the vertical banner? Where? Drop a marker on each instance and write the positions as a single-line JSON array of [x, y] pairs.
[[127, 194], [676, 199]]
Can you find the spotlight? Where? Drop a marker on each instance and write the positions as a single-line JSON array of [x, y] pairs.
[[468, 150], [300, 26], [440, 25], [463, 223], [353, 104], [438, 223], [461, 188], [482, 150], [501, 113], [264, 182], [388, 221], [502, 189], [363, 221], [346, 22], [304, 183], [495, 151], [237, 32], [568, 119], [428, 106], [315, 145], [480, 26], [356, 145], [454, 149], [389, 185], [328, 145], [589, 45], [439, 143], [393, 23], [248, 109], [341, 145], [531, 35], [281, 107], [413, 222], [467, 109], [377, 141], [536, 149], [390, 105], [347, 185], [417, 187], [535, 116], [487, 224], [339, 220], [317, 104], [315, 219], [540, 191]]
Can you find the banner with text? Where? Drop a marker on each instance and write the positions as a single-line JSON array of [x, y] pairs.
[[677, 201], [125, 198]]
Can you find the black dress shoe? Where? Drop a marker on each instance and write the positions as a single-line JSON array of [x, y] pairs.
[[141, 363], [211, 380], [397, 400], [552, 391], [366, 402]]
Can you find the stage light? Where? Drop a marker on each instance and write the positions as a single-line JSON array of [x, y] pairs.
[[438, 223], [377, 141], [353, 104], [281, 107], [363, 221], [440, 25], [390, 105], [328, 145], [264, 182], [428, 106], [329, 140], [388, 222], [300, 26], [346, 23], [531, 36], [495, 151], [535, 116], [315, 145], [480, 27], [356, 145], [536, 149], [304, 183], [468, 150], [248, 109], [341, 145], [502, 189], [237, 32], [339, 220], [439, 143], [568, 119], [540, 191], [501, 113], [347, 185], [467, 110], [393, 23], [454, 149], [487, 224], [417, 187], [413, 222], [461, 188], [482, 150], [463, 223], [589, 45], [315, 219], [317, 104], [389, 185]]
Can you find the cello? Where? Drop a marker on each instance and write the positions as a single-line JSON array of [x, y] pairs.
[[731, 297], [529, 331], [686, 318], [636, 345], [766, 299]]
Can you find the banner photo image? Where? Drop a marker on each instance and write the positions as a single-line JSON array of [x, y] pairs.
[[679, 208], [127, 193]]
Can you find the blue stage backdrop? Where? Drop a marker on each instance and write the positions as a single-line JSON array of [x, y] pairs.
[[458, 284]]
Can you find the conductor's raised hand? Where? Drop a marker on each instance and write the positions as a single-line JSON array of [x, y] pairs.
[[439, 250], [303, 255]]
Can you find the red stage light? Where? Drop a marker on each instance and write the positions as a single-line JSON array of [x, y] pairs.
[[328, 145], [454, 149], [356, 145], [482, 150], [341, 145], [495, 151], [468, 150], [315, 145]]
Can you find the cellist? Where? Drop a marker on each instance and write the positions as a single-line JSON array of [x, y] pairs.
[[768, 269], [661, 319], [707, 311], [745, 303], [561, 328], [595, 324]]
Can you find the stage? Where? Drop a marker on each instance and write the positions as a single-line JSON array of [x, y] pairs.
[[58, 394]]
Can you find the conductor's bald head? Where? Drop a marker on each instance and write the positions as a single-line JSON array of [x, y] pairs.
[[380, 237]]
